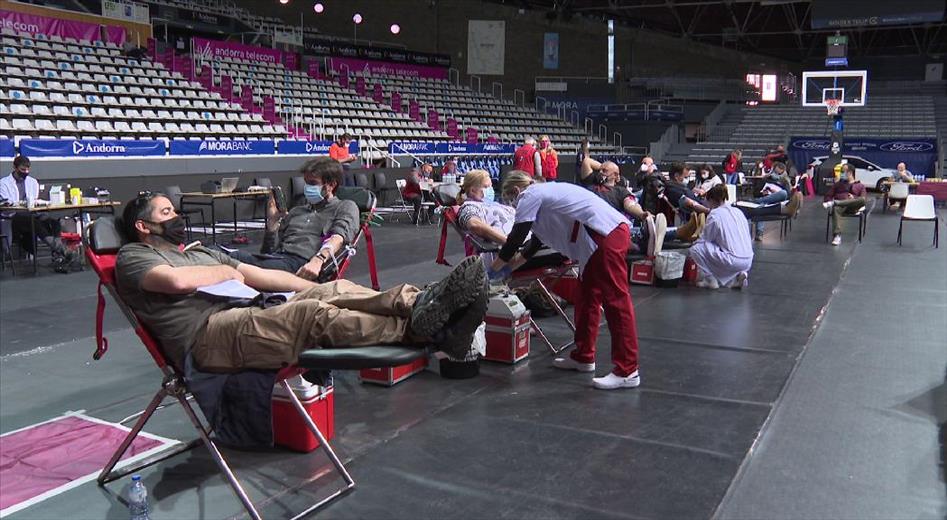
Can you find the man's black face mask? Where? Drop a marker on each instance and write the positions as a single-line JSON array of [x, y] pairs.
[[173, 230]]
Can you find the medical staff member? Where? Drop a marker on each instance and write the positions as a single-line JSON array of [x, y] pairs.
[[582, 226]]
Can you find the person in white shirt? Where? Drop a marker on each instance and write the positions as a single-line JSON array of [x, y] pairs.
[[724, 252], [481, 216], [583, 227], [20, 189]]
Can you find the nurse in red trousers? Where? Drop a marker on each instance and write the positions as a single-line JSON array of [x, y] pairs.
[[582, 226]]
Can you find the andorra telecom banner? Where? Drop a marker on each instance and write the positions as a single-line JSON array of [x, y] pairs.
[[35, 24], [212, 49]]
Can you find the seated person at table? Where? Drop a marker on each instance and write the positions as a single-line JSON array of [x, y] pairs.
[[680, 196], [776, 189], [733, 166], [413, 193], [20, 189], [491, 221], [706, 179], [340, 151], [902, 174], [160, 281], [846, 197], [303, 240], [724, 252], [649, 225]]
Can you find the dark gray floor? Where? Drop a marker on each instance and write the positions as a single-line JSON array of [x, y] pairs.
[[861, 431], [523, 441]]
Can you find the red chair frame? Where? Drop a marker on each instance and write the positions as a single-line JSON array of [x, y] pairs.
[[538, 277], [173, 385]]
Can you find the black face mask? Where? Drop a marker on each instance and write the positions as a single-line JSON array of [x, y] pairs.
[[173, 230], [18, 175]]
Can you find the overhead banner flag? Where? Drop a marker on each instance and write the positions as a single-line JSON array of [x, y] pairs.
[[90, 148], [551, 51], [223, 147]]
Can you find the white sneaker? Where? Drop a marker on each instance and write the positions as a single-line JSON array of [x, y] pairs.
[[611, 381], [708, 282], [828, 205], [567, 363], [739, 282], [652, 235], [836, 240]]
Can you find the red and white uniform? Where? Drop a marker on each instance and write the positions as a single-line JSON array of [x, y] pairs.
[[582, 226]]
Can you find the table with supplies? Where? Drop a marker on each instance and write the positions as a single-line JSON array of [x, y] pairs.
[[197, 198], [82, 208]]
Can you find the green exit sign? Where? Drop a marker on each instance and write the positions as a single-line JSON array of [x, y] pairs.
[[837, 40]]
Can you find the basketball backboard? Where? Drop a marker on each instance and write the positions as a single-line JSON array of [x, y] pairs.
[[847, 86]]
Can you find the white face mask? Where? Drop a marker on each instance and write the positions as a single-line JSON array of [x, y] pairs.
[[644, 168]]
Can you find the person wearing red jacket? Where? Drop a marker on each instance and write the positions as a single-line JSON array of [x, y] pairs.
[[527, 158], [732, 166], [549, 159]]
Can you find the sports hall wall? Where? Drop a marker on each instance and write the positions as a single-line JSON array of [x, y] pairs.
[[441, 27]]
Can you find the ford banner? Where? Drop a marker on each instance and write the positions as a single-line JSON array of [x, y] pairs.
[[90, 148], [223, 147], [919, 155], [310, 147]]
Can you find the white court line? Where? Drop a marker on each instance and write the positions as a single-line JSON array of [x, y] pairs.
[[165, 443]]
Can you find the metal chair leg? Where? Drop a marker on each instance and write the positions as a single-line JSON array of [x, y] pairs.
[[900, 228]]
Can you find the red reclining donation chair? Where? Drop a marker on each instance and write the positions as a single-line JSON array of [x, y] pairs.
[[445, 196], [366, 201], [103, 241]]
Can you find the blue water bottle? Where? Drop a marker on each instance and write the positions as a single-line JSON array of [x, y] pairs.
[[138, 500]]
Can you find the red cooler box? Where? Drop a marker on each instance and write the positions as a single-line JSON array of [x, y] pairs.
[[507, 329], [642, 272], [289, 429], [392, 375]]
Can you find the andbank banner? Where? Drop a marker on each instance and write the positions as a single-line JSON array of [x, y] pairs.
[[310, 147], [7, 149], [90, 148], [398, 147], [223, 147], [919, 155]]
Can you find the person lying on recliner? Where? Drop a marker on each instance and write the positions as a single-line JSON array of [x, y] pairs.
[[160, 281], [307, 237]]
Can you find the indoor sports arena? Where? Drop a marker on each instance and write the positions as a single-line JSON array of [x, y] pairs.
[[473, 259]]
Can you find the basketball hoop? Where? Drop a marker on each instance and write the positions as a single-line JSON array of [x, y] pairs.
[[832, 106]]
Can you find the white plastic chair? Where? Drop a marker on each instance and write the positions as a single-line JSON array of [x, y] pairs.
[[731, 193], [920, 208], [897, 191]]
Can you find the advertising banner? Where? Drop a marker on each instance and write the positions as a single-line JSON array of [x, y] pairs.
[[385, 68], [35, 24], [290, 35], [211, 49], [310, 147], [223, 147], [919, 155], [415, 148], [7, 148], [90, 148]]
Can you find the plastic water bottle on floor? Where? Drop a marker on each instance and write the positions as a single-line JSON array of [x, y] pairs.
[[138, 500]]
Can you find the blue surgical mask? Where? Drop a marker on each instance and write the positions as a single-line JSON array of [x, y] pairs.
[[489, 195], [313, 194]]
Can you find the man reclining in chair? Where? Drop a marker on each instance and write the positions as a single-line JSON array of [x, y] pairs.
[[603, 179], [307, 237], [160, 281]]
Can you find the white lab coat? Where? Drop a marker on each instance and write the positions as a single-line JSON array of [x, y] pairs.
[[9, 191], [724, 249]]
